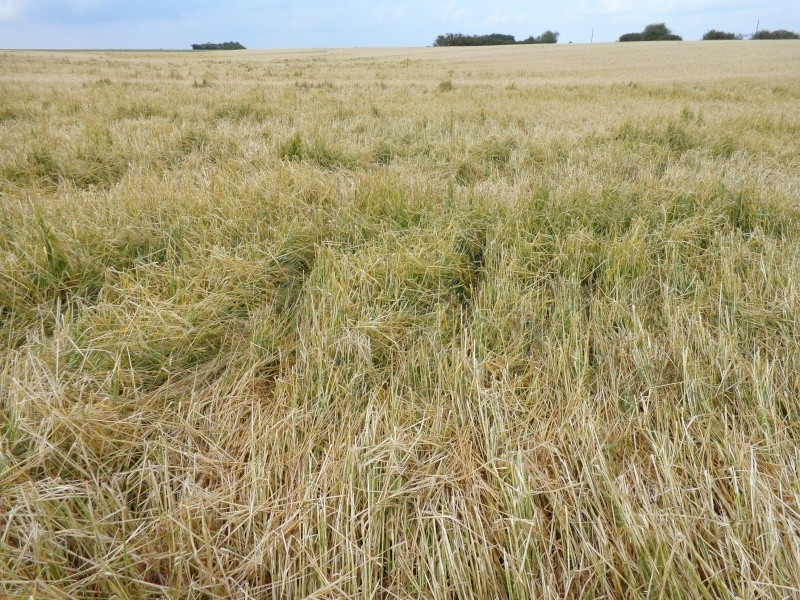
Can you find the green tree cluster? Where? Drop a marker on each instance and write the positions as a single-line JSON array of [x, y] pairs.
[[714, 34], [657, 32], [548, 37], [493, 39], [222, 46], [778, 34], [459, 39]]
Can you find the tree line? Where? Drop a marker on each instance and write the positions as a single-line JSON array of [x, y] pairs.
[[656, 32], [778, 34], [659, 32], [222, 46], [493, 39]]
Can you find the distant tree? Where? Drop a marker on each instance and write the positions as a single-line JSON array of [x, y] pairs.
[[459, 39], [445, 40], [495, 39], [492, 39], [713, 34], [548, 37], [656, 32], [222, 46], [778, 34]]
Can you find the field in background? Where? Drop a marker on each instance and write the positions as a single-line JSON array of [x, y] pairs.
[[436, 323]]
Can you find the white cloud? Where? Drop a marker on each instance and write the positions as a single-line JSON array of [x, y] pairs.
[[498, 18], [617, 7], [10, 10], [452, 11], [383, 15]]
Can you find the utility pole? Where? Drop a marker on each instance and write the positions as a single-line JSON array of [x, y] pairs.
[[757, 24], [592, 40]]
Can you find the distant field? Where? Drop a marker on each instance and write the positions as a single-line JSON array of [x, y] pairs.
[[516, 322]]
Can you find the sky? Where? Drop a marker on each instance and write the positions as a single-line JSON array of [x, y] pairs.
[[176, 24]]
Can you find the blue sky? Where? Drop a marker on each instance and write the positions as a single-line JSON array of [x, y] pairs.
[[350, 23]]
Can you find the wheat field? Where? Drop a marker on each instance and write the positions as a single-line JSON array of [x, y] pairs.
[[517, 322]]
